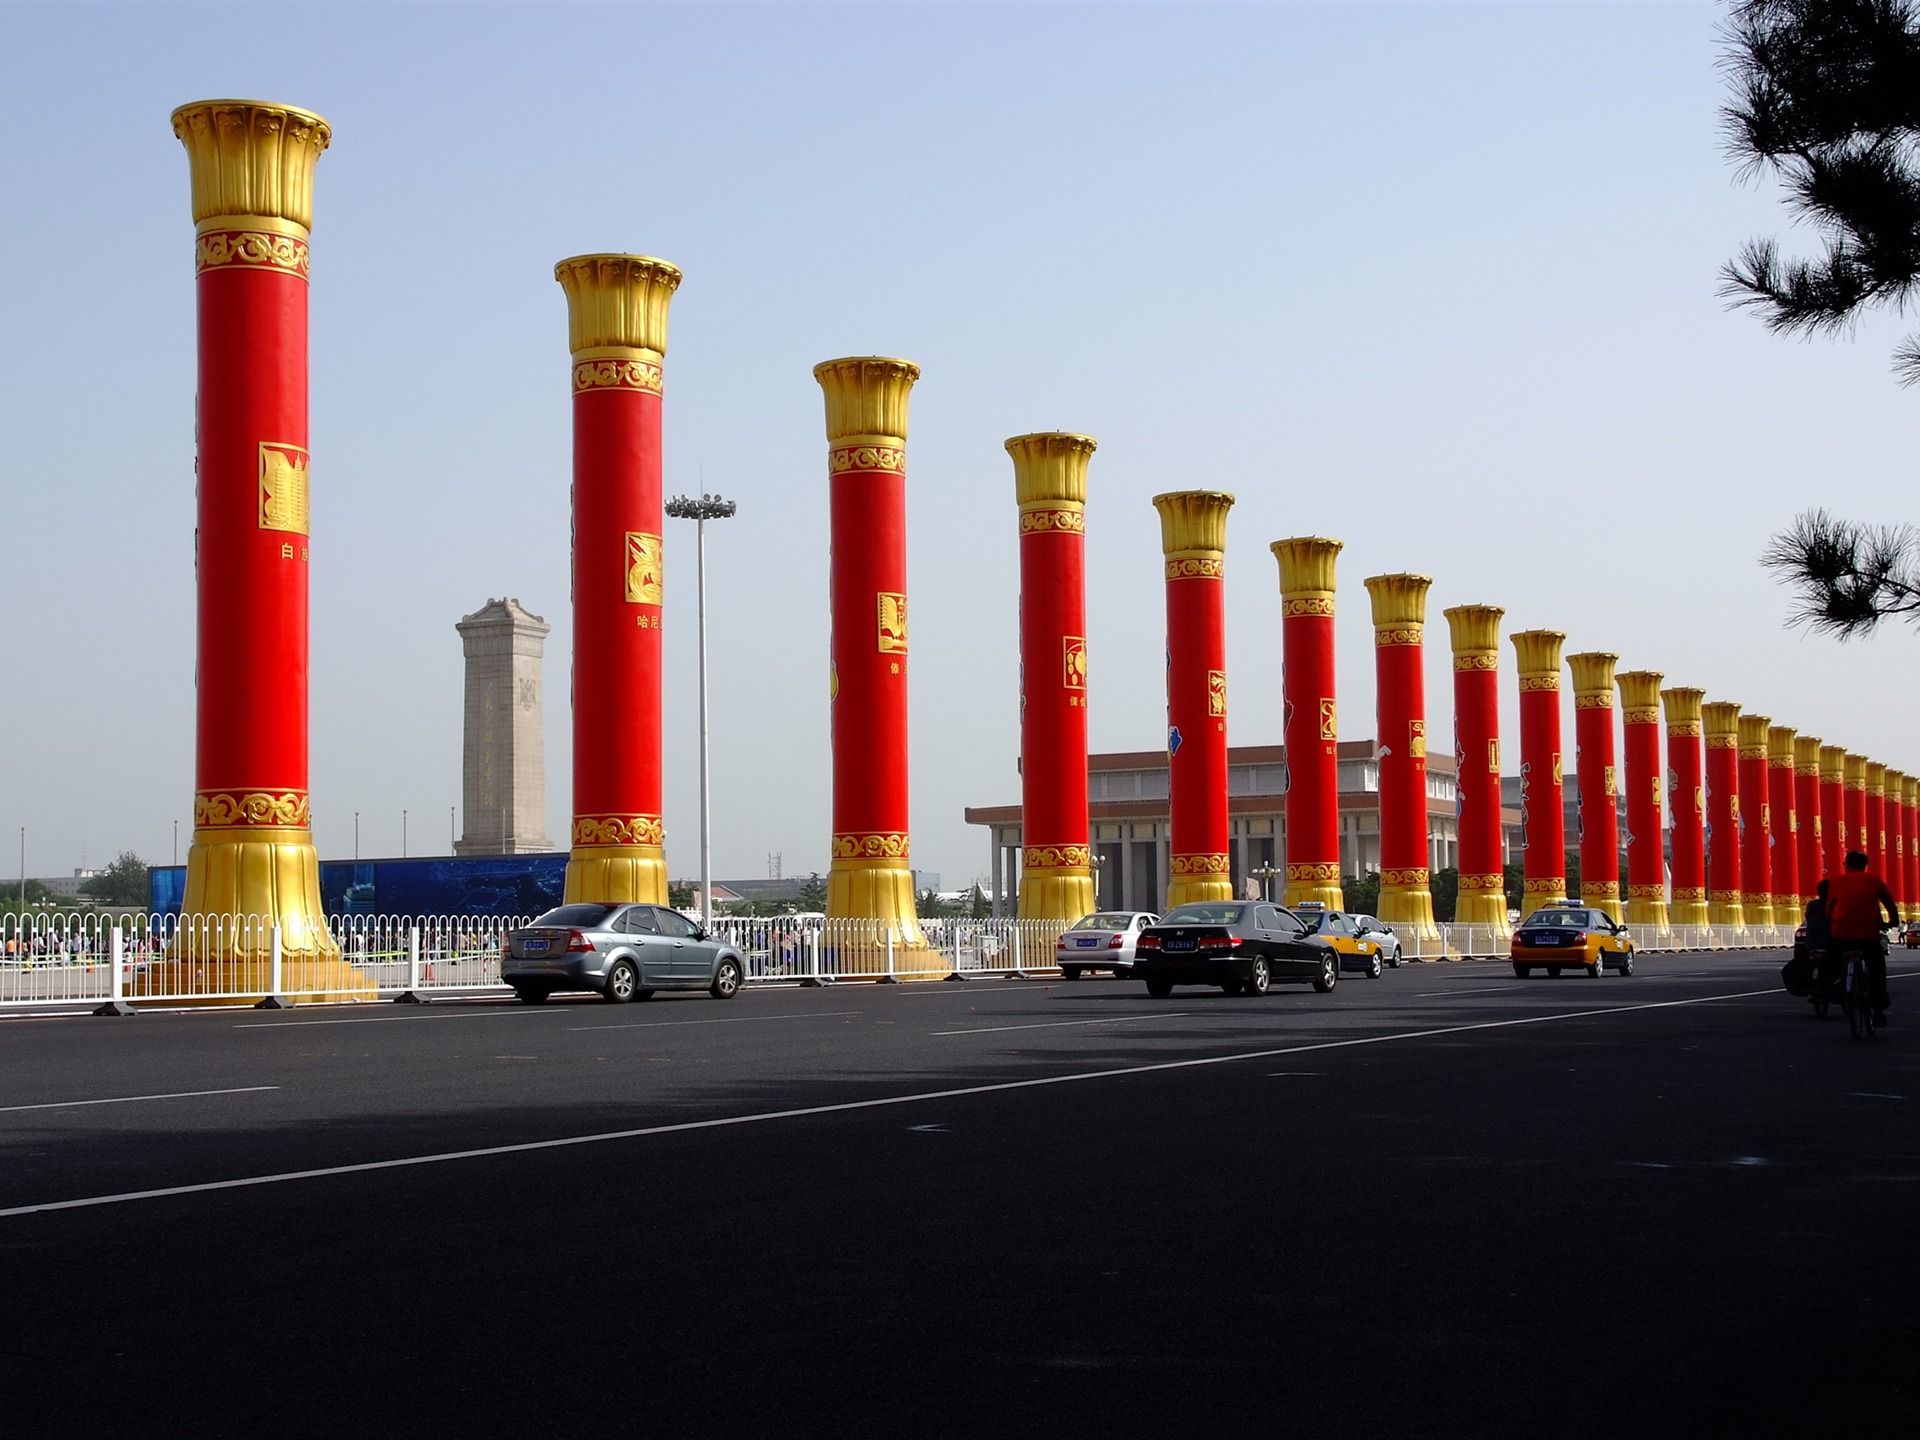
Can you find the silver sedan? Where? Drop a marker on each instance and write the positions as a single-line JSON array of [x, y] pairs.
[[1103, 940], [624, 952]]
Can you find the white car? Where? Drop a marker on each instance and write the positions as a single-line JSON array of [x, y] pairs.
[[1103, 940], [1377, 930]]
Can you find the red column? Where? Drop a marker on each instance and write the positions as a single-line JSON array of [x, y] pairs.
[[1687, 806], [1755, 822], [1593, 758], [1877, 818], [1310, 718], [617, 331], [1646, 859], [1895, 855], [1809, 859], [872, 876], [1542, 783], [1854, 799], [1784, 801], [1399, 648], [1050, 484], [1475, 634], [252, 854], [1910, 823], [1833, 809], [1193, 540], [1722, 721]]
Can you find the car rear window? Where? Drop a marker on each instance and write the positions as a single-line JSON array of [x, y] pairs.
[[1102, 922], [1562, 919], [1203, 915], [576, 915]]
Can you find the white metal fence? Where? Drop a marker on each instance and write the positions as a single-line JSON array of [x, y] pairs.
[[87, 958]]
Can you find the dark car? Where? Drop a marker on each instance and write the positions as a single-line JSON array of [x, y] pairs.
[[625, 952], [1243, 946]]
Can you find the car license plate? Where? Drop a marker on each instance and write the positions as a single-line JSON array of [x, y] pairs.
[[1548, 939], [1086, 944], [1186, 944], [533, 947]]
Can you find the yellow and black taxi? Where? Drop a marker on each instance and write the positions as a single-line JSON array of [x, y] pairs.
[[1566, 936], [1360, 945]]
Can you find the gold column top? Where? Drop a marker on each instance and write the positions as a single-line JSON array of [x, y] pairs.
[[1856, 771], [1398, 600], [866, 396], [1683, 709], [1895, 783], [1593, 677], [1307, 565], [1806, 755], [1721, 721], [1780, 746], [1876, 778], [1640, 695], [251, 158], [1538, 652], [1475, 629], [1833, 763], [1050, 468], [1193, 523], [1911, 785], [1753, 736], [617, 302]]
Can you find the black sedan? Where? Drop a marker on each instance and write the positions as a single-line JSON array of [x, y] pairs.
[[1243, 946]]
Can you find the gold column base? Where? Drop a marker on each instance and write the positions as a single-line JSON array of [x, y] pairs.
[[1408, 903], [1057, 892], [1311, 882], [1543, 891], [1688, 907], [1725, 915], [1482, 900], [1604, 896], [1647, 905], [1198, 889], [617, 875], [873, 899], [242, 881], [1757, 908]]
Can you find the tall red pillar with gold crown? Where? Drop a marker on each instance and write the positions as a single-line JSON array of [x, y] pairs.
[[871, 875], [1474, 633], [1876, 831], [1310, 724], [252, 856], [1646, 826], [1810, 840], [1050, 486], [1854, 799], [1400, 712], [617, 331], [1756, 822], [1593, 760], [1721, 720], [1910, 822], [1894, 854], [1833, 809], [1686, 805], [1542, 780], [1193, 541], [1785, 828]]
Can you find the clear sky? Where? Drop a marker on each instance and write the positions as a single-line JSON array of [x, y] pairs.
[[1436, 279]]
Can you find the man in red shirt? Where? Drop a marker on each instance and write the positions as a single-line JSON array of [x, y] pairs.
[[1854, 902]]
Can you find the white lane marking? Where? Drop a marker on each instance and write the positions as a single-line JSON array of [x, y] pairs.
[[1476, 990], [394, 1019], [1062, 1024], [131, 1099], [730, 1020], [763, 1117]]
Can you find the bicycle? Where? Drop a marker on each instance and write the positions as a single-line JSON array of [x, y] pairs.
[[1856, 996]]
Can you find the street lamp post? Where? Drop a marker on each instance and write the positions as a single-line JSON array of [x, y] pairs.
[[403, 834], [707, 507]]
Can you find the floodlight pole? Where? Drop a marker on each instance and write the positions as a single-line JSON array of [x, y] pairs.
[[707, 507]]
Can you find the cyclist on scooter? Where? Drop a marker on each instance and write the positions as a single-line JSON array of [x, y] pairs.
[[1855, 899]]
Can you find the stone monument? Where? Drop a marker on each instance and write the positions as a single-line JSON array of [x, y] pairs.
[[503, 786]]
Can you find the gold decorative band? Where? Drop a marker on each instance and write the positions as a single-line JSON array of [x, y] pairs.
[[1479, 660], [1055, 857], [1386, 635], [619, 830], [279, 808], [1193, 567], [1419, 878], [1035, 522], [1646, 892], [1600, 889], [1306, 605], [1753, 752], [249, 250], [1684, 730], [640, 375], [1597, 700], [1723, 742], [1215, 864], [1473, 884], [1689, 892], [867, 457], [1639, 717], [1539, 682], [876, 845], [1315, 870], [1753, 899]]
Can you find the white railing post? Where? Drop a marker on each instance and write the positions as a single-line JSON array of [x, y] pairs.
[[411, 995], [117, 991], [890, 978], [273, 999]]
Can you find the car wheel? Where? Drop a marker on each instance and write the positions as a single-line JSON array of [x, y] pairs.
[[1376, 969], [1626, 965], [1523, 972], [1069, 972], [1553, 971], [1329, 973], [622, 981], [531, 994], [1233, 987], [1597, 968], [1260, 978], [1159, 989], [726, 980], [1393, 960]]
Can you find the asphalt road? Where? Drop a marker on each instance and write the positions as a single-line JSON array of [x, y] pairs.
[[1446, 1202]]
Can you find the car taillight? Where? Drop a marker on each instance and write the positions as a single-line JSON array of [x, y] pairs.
[[1579, 936], [1115, 942], [1234, 942], [578, 941], [1147, 942], [1800, 933]]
